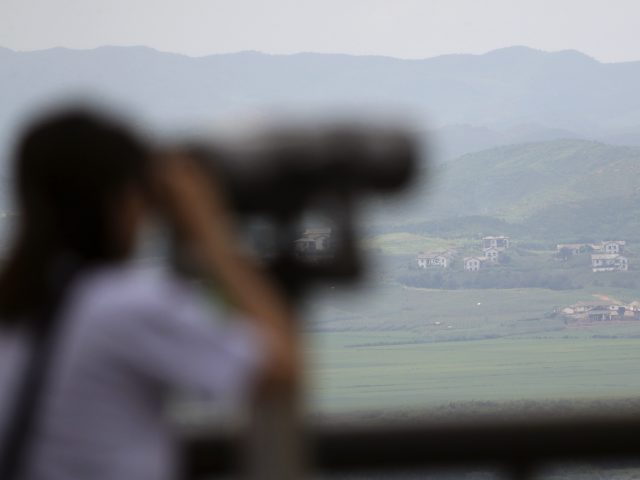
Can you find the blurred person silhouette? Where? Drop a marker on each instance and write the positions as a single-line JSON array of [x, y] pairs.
[[89, 344]]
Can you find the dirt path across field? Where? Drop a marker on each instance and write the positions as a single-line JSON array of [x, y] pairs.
[[606, 298]]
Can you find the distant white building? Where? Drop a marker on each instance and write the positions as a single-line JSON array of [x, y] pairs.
[[473, 264], [500, 242], [609, 262], [313, 240], [433, 259], [492, 255], [609, 246], [600, 315], [606, 247], [613, 246]]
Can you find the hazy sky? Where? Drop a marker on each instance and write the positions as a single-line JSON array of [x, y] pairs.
[[605, 29]]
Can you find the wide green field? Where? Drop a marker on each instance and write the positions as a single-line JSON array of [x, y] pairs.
[[349, 377], [392, 348]]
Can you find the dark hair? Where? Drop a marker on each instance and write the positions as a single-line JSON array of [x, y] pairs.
[[70, 168]]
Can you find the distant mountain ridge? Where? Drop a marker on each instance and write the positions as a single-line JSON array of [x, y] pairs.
[[506, 87], [493, 102]]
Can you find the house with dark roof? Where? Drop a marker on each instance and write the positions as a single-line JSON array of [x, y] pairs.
[[314, 240], [500, 242]]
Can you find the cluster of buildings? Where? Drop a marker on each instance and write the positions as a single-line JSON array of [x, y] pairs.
[[492, 251], [606, 256], [601, 312]]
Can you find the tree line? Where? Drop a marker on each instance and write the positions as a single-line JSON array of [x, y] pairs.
[[488, 279]]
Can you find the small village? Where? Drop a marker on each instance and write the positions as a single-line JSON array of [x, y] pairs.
[[606, 256], [491, 251], [492, 247]]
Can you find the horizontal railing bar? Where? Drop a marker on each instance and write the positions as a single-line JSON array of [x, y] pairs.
[[399, 447]]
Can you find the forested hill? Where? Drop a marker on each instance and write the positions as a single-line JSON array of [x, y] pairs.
[[562, 188]]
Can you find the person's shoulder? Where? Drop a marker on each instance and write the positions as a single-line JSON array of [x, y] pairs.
[[128, 288]]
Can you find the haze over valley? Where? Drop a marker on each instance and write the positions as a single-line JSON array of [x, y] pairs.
[[539, 148]]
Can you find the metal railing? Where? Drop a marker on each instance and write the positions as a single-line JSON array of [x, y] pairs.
[[519, 448]]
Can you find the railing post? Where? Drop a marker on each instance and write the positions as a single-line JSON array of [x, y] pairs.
[[275, 445]]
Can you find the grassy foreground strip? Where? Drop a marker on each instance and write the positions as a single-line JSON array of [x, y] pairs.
[[406, 376]]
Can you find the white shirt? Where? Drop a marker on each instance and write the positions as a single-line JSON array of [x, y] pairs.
[[128, 339]]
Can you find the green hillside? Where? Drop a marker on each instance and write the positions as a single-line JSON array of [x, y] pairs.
[[567, 187]]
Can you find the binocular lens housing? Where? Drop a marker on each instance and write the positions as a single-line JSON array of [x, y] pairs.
[[281, 176]]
